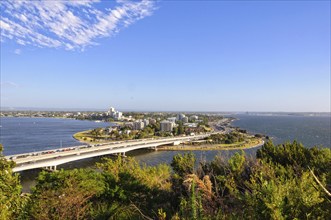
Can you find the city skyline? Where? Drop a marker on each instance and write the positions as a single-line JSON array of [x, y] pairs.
[[166, 56]]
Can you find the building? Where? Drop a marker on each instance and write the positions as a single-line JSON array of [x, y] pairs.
[[127, 132], [146, 122], [138, 125], [129, 125], [180, 117], [185, 119], [173, 119], [191, 125], [117, 115], [194, 117], [152, 121], [166, 126], [111, 111]]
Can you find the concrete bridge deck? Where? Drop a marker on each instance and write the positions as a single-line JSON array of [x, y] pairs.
[[50, 159]]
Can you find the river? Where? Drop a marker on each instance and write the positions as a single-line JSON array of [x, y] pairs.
[[20, 135]]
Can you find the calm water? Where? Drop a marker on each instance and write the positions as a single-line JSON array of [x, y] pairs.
[[20, 135], [310, 131]]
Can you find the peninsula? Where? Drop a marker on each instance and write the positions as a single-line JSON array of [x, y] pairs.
[[135, 126]]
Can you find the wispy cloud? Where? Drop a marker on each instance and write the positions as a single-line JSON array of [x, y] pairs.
[[17, 51], [8, 84], [72, 25]]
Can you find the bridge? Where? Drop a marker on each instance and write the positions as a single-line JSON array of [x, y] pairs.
[[50, 159]]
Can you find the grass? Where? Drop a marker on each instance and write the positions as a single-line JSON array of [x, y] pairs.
[[85, 136], [250, 143]]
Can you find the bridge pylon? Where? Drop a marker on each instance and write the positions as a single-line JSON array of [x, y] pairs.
[[50, 168]]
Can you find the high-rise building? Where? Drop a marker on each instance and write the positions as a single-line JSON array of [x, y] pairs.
[[114, 114], [111, 111], [117, 115]]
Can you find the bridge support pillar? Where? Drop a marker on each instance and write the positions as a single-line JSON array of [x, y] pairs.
[[50, 168]]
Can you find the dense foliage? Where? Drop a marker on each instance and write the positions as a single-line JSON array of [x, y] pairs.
[[11, 201], [126, 132], [229, 138], [287, 181]]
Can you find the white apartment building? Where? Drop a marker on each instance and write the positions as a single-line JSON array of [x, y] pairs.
[[115, 114]]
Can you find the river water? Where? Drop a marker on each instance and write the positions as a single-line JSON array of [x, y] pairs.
[[20, 135], [309, 130]]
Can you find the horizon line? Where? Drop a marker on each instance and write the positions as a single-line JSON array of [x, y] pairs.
[[145, 110]]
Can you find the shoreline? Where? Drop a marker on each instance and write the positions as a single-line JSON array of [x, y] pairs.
[[184, 147], [208, 147], [80, 135]]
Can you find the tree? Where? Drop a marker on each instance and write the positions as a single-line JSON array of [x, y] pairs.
[[296, 155], [65, 194], [175, 130], [97, 132], [130, 184], [273, 195], [180, 128], [183, 164], [11, 201]]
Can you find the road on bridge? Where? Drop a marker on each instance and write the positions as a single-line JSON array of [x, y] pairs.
[[52, 158]]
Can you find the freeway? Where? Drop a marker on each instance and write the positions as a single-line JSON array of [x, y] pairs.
[[54, 157]]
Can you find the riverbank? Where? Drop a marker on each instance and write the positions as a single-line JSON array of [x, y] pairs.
[[187, 147], [206, 147], [84, 137]]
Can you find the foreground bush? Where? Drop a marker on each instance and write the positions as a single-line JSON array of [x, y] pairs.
[[287, 181]]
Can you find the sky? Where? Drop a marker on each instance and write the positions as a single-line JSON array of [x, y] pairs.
[[166, 55]]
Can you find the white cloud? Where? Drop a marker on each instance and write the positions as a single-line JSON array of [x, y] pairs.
[[18, 51], [67, 24]]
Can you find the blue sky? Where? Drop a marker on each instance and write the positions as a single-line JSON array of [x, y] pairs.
[[166, 55]]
